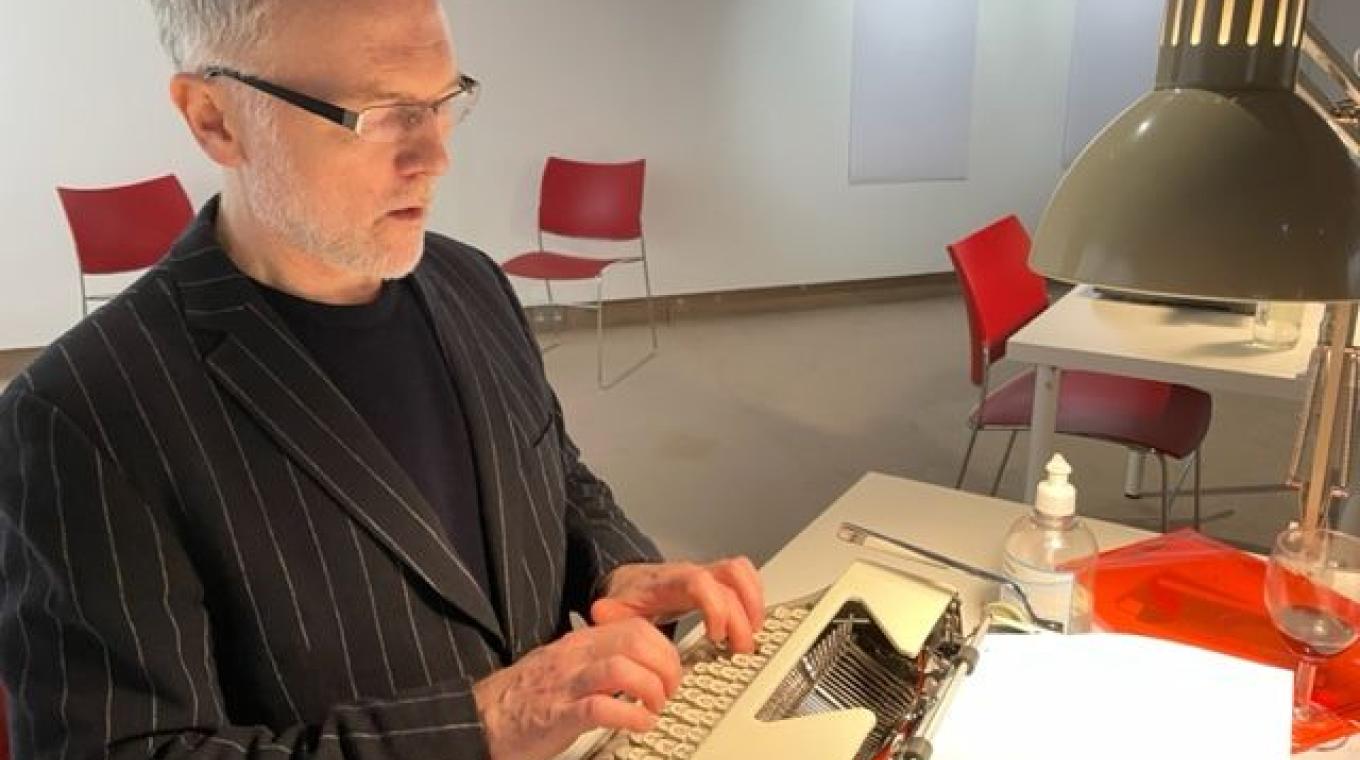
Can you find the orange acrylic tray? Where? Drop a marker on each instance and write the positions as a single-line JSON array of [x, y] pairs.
[[1185, 587]]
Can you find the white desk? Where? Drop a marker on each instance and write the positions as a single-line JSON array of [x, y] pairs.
[[962, 525], [1199, 347], [965, 526]]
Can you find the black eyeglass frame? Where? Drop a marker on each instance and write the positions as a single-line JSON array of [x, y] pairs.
[[330, 111]]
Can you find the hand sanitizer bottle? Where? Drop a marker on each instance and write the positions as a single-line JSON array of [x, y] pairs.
[[1051, 554]]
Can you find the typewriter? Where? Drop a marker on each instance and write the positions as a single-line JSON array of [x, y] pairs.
[[862, 670]]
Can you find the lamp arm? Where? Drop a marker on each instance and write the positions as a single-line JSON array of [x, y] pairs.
[[1321, 51], [1352, 391], [1294, 478], [1340, 321], [1342, 115], [1346, 127]]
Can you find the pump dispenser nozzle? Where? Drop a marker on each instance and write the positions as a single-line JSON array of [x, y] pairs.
[[1056, 497]]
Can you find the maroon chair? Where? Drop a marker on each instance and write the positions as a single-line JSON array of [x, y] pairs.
[[4, 724], [586, 201], [1002, 294], [124, 228]]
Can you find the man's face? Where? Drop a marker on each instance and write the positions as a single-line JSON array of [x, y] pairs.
[[354, 204]]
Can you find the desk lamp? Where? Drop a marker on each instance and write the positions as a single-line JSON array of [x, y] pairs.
[[1235, 178]]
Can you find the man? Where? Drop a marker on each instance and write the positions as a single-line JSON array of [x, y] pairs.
[[303, 489]]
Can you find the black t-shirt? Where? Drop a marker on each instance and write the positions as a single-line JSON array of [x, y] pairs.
[[386, 359]]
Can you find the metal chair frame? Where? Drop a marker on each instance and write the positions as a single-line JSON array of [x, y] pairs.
[[76, 211], [86, 298], [598, 308], [1168, 495]]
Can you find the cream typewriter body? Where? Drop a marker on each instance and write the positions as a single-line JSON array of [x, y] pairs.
[[861, 671]]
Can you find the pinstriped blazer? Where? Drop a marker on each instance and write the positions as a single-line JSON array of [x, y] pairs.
[[207, 553]]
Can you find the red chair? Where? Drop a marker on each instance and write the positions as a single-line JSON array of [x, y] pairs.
[[4, 725], [1003, 294], [124, 228], [588, 201]]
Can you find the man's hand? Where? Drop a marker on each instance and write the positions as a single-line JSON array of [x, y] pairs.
[[537, 707], [728, 593]]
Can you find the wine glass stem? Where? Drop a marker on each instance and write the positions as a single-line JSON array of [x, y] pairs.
[[1303, 682]]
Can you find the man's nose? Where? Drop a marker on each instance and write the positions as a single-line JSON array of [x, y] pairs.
[[426, 151]]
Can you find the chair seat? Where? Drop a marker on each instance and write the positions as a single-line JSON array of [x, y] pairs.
[[548, 265], [1172, 419]]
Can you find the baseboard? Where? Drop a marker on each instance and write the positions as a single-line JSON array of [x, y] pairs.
[[15, 360], [752, 301], [692, 306]]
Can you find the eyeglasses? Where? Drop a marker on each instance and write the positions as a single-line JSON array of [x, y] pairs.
[[387, 123]]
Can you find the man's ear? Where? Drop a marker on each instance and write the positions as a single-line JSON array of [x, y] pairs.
[[201, 105]]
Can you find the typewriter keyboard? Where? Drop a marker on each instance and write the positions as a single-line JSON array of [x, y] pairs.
[[713, 679]]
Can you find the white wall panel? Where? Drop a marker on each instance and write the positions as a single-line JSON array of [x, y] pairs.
[[1114, 62], [911, 93]]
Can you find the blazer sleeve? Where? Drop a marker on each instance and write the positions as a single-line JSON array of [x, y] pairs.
[[600, 537], [105, 642]]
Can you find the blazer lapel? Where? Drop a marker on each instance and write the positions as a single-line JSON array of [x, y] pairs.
[[259, 363], [504, 412]]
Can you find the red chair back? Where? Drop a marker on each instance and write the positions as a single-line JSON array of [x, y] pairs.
[[4, 725], [597, 201], [1000, 290], [120, 229]]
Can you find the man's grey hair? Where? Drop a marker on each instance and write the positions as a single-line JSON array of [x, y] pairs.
[[197, 33]]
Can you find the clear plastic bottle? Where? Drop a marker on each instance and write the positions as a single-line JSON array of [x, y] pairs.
[[1051, 554]]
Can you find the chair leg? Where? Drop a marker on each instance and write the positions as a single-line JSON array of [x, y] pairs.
[[1006, 457], [651, 311], [1166, 495], [1133, 473], [554, 318], [599, 331], [967, 455], [1199, 461], [599, 338]]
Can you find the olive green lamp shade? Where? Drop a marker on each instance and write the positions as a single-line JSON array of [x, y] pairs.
[[1220, 183]]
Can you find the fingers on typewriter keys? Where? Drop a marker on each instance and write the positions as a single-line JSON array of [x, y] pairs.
[[655, 652], [617, 674], [743, 578], [721, 592]]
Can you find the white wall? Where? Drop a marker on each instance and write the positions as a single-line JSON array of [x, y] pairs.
[[82, 102], [740, 106], [742, 109]]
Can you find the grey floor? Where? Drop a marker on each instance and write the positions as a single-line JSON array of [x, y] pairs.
[[743, 428]]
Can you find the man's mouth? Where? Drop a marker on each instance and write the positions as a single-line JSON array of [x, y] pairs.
[[409, 214]]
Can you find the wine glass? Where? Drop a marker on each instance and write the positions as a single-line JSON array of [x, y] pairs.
[[1313, 593]]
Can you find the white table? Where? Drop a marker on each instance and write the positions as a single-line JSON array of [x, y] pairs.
[[965, 526], [1198, 347], [961, 525]]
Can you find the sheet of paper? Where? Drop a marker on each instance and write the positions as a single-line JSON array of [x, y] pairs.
[[1115, 697]]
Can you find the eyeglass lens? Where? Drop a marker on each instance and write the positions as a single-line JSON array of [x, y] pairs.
[[395, 122]]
